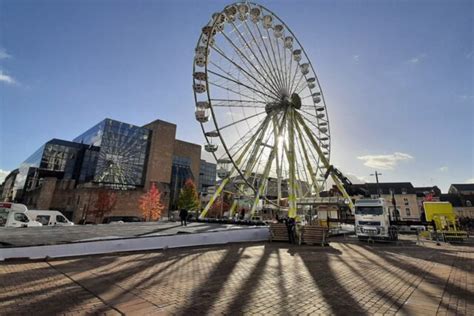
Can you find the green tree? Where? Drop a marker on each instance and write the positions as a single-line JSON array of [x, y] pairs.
[[188, 197]]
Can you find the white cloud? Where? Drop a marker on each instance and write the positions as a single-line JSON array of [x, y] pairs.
[[6, 78], [443, 168], [356, 58], [470, 180], [417, 59], [3, 174], [4, 54], [386, 162]]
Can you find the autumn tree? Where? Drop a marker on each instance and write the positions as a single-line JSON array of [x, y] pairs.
[[188, 196], [104, 204], [218, 208], [221, 205], [150, 204]]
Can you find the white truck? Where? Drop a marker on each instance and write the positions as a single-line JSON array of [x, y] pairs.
[[15, 215], [372, 220]]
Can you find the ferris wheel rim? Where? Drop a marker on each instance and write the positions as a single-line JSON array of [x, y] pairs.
[[211, 106]]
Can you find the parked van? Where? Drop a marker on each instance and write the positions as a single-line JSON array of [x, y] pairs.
[[15, 215], [49, 218]]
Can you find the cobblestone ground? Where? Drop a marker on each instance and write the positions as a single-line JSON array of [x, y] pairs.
[[347, 278]]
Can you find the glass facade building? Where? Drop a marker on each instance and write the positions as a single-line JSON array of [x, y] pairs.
[[111, 153], [121, 160], [207, 175], [57, 158], [180, 172]]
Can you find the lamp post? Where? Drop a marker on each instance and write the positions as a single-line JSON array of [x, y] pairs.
[[377, 174]]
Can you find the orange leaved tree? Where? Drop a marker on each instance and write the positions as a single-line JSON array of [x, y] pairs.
[[150, 204]]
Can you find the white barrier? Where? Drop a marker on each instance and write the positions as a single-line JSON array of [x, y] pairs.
[[135, 244]]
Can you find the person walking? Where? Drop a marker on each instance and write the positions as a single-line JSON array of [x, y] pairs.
[[183, 215]]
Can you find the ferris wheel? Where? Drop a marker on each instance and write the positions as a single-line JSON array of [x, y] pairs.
[[261, 108]]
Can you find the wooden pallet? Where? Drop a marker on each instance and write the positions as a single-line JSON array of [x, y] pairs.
[[313, 235], [279, 232]]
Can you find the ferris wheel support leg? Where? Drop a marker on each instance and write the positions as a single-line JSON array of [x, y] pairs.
[[213, 198], [291, 163], [323, 158], [232, 208], [268, 166]]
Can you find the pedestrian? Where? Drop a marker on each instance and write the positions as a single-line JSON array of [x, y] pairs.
[[290, 226], [183, 215]]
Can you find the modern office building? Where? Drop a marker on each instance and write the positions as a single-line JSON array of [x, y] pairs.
[[114, 156], [207, 176]]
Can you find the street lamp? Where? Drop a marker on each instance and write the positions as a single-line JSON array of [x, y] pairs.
[[376, 174]]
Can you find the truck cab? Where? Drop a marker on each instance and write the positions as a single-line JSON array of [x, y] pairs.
[[372, 220]]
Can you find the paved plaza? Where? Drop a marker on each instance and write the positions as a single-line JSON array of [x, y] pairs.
[[347, 278]]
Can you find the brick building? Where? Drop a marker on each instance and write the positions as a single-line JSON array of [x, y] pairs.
[[112, 156]]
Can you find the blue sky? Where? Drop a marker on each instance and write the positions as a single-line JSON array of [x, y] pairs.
[[397, 76]]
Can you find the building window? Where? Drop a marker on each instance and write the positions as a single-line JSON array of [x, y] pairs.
[[468, 203], [407, 210], [404, 191], [405, 200]]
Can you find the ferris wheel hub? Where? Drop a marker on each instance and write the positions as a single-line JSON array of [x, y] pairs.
[[284, 104]]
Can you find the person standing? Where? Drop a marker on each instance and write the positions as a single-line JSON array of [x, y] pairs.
[[183, 215], [290, 226]]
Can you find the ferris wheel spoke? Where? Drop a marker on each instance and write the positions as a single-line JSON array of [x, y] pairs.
[[248, 62], [279, 70], [241, 84], [248, 46], [268, 70], [249, 82], [231, 90], [239, 121], [294, 88], [238, 106], [275, 71], [238, 100], [312, 123], [245, 72], [283, 70]]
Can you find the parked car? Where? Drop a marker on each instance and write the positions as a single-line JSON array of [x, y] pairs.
[[124, 219], [49, 217], [15, 215]]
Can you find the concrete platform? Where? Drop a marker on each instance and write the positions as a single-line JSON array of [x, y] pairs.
[[58, 242], [52, 235]]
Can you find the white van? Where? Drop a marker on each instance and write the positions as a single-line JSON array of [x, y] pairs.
[[15, 215], [49, 218]]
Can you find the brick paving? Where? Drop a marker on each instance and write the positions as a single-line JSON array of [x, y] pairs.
[[347, 278]]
